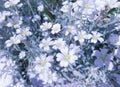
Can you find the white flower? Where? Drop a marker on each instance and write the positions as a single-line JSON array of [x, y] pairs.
[[88, 6], [52, 77], [36, 18], [66, 57], [46, 43], [48, 77], [44, 61], [22, 54], [100, 4], [96, 36], [40, 8], [24, 31], [59, 44], [11, 3], [81, 36], [14, 22], [76, 48], [56, 28], [70, 29], [45, 26], [13, 40], [114, 39]]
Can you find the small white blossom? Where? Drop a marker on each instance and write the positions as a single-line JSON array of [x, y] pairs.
[[43, 61], [24, 32], [22, 54], [13, 40], [59, 44], [40, 8], [70, 29], [81, 36], [49, 77], [45, 26], [11, 3], [66, 57], [14, 22], [56, 28], [100, 4], [88, 6], [46, 43], [96, 36]]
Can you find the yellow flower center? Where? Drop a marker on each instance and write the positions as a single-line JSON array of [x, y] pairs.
[[69, 29], [59, 44], [86, 6], [14, 23], [24, 32], [116, 40], [80, 36], [103, 58], [43, 63], [14, 40], [46, 44], [50, 76], [95, 38], [67, 57]]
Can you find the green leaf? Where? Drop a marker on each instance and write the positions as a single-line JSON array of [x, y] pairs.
[[113, 10]]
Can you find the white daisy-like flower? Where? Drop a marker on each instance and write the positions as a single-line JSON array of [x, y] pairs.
[[44, 61], [114, 39], [46, 43], [14, 22], [13, 40], [45, 26], [88, 6], [11, 3], [81, 36], [59, 43], [22, 54], [24, 31], [48, 77], [66, 57], [96, 36], [56, 28], [70, 29]]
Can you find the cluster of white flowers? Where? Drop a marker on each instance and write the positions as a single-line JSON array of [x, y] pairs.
[[60, 43], [88, 7]]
